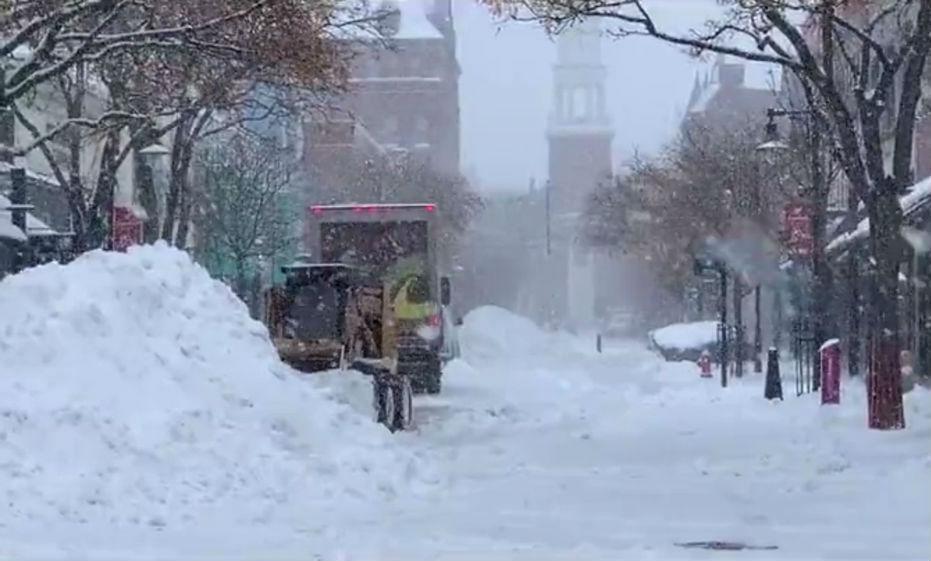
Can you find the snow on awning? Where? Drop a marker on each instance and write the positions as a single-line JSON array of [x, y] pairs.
[[34, 226], [918, 196], [9, 231]]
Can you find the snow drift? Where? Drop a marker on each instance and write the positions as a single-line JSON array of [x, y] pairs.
[[136, 390], [489, 333]]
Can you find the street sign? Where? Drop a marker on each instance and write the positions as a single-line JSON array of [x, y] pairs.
[[126, 228], [797, 229]]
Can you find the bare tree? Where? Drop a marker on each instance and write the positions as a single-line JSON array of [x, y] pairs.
[[710, 183], [51, 37], [864, 63], [245, 211], [270, 71], [201, 82]]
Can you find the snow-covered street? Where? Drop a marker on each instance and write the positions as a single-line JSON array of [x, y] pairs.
[[181, 436]]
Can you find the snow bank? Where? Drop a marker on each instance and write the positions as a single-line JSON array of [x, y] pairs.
[[136, 390], [515, 376], [490, 333]]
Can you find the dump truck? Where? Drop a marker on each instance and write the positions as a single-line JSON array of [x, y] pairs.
[[367, 296], [396, 243]]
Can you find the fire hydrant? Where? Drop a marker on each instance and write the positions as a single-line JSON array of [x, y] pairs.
[[704, 364]]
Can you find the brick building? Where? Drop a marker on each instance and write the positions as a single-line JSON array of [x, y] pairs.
[[404, 98], [734, 93]]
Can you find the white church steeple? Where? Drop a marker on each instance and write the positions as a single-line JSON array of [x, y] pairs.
[[579, 78]]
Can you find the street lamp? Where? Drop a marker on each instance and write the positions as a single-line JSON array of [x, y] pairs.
[[153, 152], [148, 156], [800, 212], [772, 142]]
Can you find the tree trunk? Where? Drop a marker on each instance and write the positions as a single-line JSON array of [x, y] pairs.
[[241, 283], [923, 360], [821, 271], [886, 409], [180, 163], [101, 207], [854, 311], [184, 219]]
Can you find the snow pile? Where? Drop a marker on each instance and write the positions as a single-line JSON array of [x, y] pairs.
[[516, 375], [489, 333], [136, 390]]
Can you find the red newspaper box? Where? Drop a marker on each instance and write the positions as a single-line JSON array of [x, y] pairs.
[[830, 372]]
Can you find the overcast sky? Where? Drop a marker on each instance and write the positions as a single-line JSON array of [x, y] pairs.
[[506, 92]]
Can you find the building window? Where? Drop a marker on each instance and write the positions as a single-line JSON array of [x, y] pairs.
[[422, 127], [390, 127], [414, 66]]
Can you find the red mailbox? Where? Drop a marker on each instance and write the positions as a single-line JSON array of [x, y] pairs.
[[830, 372]]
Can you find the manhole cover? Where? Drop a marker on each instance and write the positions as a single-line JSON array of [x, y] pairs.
[[725, 546]]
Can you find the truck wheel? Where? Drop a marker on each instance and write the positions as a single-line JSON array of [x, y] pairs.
[[403, 397], [384, 403], [433, 377]]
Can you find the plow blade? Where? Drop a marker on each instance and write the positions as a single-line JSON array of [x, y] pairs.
[[309, 357]]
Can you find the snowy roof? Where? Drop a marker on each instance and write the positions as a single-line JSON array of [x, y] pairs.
[[704, 98], [34, 226], [6, 167], [917, 197], [414, 22], [762, 76]]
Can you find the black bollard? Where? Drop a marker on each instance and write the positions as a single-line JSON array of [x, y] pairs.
[[773, 380]]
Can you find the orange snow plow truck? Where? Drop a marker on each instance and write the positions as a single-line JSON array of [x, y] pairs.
[[367, 297]]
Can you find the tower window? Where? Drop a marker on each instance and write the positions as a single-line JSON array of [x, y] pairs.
[[579, 104], [390, 127]]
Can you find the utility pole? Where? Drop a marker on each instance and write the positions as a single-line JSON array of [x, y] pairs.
[[723, 326], [757, 333], [737, 287], [549, 186]]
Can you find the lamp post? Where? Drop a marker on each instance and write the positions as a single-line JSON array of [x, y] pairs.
[[772, 145], [805, 223], [149, 156]]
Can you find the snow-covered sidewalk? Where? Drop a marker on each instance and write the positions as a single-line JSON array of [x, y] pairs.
[[623, 454], [159, 424]]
